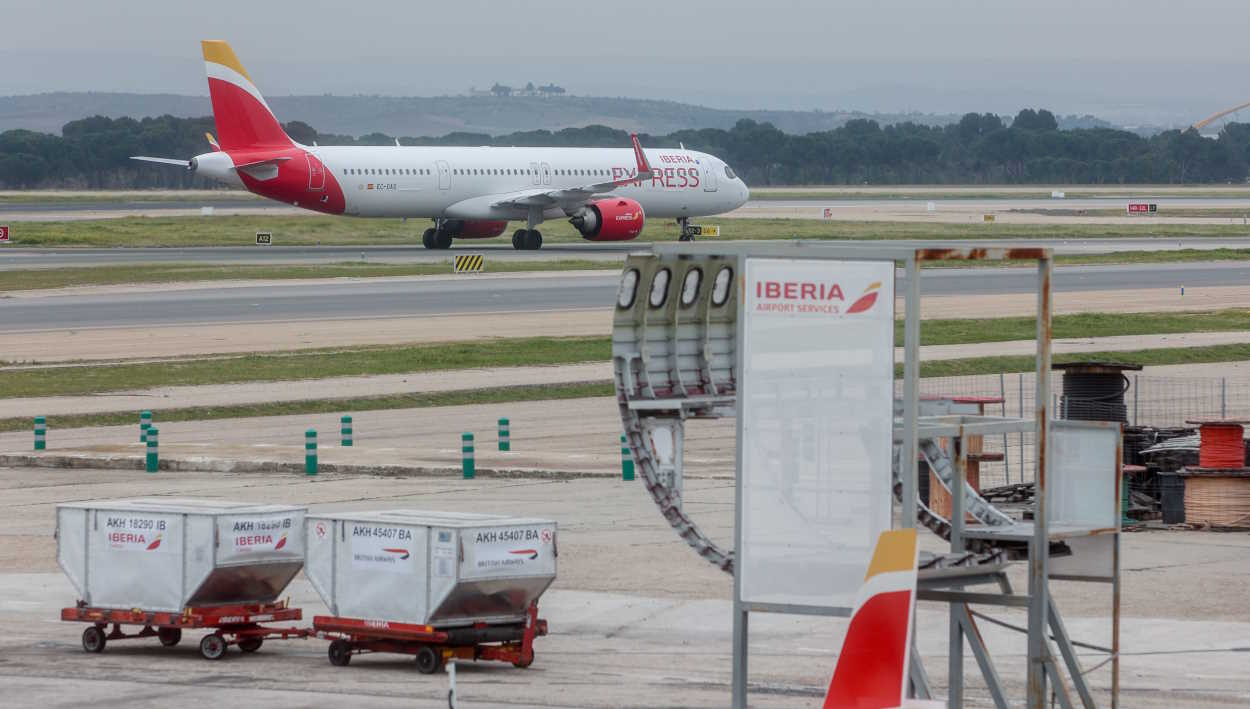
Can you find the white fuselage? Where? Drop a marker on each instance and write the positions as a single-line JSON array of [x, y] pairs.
[[466, 183]]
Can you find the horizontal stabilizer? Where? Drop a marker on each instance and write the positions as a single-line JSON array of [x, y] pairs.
[[163, 161]]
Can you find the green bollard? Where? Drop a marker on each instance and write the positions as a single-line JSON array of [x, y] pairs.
[[345, 430], [627, 460], [466, 448], [41, 433], [310, 452], [145, 422], [153, 458], [505, 436]]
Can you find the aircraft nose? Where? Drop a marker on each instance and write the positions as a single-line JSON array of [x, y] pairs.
[[744, 193]]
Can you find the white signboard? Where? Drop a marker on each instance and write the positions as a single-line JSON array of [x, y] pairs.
[[511, 548], [251, 535], [130, 532], [379, 547], [816, 411]]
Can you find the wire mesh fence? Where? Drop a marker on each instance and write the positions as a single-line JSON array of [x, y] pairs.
[[1148, 401]]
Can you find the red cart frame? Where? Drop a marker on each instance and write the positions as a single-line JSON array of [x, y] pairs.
[[432, 647], [232, 625]]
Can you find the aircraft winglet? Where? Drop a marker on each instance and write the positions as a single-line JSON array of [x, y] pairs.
[[641, 157]]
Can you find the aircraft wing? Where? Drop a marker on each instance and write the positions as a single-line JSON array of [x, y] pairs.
[[568, 196]]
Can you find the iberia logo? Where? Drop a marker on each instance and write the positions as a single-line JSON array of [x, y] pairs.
[[155, 543], [402, 552], [867, 300], [531, 553], [281, 542]]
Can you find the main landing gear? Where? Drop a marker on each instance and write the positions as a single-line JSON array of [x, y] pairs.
[[437, 237], [527, 239], [686, 233]]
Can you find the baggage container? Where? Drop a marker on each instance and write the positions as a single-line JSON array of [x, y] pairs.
[[167, 554], [438, 569]]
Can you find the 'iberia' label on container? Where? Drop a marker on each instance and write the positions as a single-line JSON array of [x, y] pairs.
[[260, 534], [126, 532]]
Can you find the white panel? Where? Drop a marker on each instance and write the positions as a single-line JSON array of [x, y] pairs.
[[246, 539], [200, 544], [319, 563], [1092, 557], [1081, 475], [816, 407], [135, 560], [71, 553], [508, 551], [381, 572], [444, 550]]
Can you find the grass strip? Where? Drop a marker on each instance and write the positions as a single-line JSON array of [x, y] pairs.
[[960, 332], [407, 359], [35, 279], [293, 230], [144, 273], [578, 390], [1028, 363], [460, 397], [88, 379]]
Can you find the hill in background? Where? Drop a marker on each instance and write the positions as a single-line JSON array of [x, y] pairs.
[[438, 115]]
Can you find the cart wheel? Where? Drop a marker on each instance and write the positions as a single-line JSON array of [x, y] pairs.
[[169, 637], [93, 639], [340, 652], [212, 647], [429, 660], [522, 664], [251, 644]]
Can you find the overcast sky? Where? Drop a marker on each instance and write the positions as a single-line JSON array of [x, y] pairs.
[[1101, 56]]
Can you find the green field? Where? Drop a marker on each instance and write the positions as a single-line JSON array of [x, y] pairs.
[[33, 279], [291, 230], [319, 364]]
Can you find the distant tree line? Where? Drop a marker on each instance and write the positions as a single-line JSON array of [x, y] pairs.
[[979, 149]]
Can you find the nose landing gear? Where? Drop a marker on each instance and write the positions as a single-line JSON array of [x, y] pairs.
[[687, 234]]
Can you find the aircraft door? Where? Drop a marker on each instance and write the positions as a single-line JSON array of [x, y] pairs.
[[444, 174], [707, 173], [316, 173], [546, 174]]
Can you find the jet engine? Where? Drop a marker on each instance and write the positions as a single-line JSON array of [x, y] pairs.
[[615, 219]]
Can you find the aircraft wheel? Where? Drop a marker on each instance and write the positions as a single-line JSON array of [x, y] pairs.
[[518, 239], [442, 239], [534, 240], [427, 239]]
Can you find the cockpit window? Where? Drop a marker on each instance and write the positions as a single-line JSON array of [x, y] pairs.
[[729, 172]]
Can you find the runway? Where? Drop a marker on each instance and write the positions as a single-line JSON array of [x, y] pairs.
[[408, 297]]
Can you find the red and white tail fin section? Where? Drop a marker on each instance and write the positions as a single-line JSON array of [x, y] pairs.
[[871, 672], [242, 116]]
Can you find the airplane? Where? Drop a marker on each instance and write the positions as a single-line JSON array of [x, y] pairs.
[[607, 194], [871, 669]]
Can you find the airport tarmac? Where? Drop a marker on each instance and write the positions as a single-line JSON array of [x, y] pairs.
[[528, 292], [636, 618]]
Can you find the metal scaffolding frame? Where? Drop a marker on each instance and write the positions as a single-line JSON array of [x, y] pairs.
[[1031, 541]]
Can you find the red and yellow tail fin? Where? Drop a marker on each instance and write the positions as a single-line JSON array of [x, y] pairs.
[[242, 116], [871, 671]]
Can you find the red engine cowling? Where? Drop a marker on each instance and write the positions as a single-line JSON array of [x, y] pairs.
[[616, 219], [478, 228]]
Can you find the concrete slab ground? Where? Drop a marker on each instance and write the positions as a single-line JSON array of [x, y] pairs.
[[379, 385], [580, 436], [109, 343], [636, 618]]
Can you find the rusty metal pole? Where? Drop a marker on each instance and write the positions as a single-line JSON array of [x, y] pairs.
[[911, 376], [1038, 648]]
